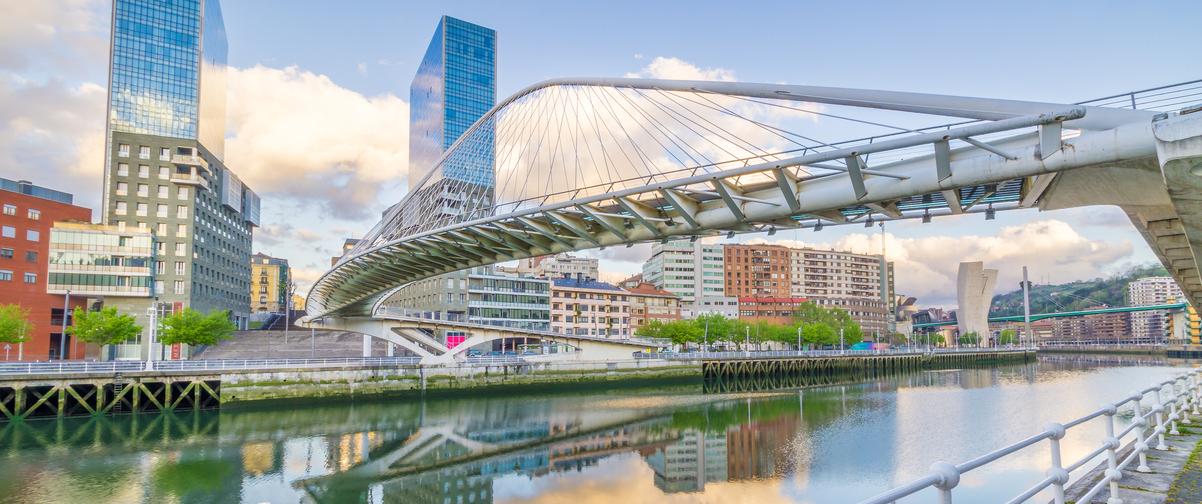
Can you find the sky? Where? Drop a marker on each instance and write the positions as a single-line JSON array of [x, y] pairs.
[[318, 101]]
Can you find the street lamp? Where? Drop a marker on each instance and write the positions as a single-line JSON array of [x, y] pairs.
[[153, 312], [799, 338]]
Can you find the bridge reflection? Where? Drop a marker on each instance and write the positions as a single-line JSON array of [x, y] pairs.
[[479, 450]]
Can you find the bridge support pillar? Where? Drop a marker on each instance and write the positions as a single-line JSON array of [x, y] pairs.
[[1179, 151], [367, 345]]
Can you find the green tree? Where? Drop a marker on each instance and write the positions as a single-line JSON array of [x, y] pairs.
[[820, 333], [970, 338], [715, 326], [14, 324], [104, 327], [898, 339], [188, 326], [652, 329], [681, 332], [1007, 337]]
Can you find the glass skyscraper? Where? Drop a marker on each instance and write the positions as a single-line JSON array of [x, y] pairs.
[[164, 169], [456, 84]]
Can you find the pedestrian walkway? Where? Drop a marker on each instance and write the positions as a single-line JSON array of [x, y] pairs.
[[1175, 474]]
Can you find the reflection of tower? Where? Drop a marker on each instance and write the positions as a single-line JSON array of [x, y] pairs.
[[754, 450], [685, 466]]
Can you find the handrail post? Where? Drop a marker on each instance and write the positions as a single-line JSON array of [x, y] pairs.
[[1158, 410], [1113, 474], [949, 477], [1057, 473], [1141, 445], [1173, 415]]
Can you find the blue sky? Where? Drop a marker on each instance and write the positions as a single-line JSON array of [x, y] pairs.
[[334, 78]]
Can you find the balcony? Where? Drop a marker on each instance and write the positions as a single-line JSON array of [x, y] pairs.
[[188, 157], [190, 178]]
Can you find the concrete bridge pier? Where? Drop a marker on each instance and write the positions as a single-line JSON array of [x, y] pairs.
[[1179, 151]]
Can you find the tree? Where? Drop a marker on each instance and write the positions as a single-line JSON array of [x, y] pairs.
[[681, 332], [898, 339], [14, 324], [714, 326], [970, 338], [819, 333], [104, 327], [188, 326], [1007, 337], [651, 329]]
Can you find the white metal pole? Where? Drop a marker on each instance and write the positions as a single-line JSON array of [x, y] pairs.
[[62, 337], [1027, 307], [154, 325]]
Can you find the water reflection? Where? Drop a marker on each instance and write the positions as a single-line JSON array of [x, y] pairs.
[[832, 443]]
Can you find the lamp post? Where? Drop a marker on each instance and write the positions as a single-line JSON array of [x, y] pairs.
[[840, 338], [798, 338], [62, 337], [153, 312], [747, 340]]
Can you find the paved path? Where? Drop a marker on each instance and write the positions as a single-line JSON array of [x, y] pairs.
[[1174, 478]]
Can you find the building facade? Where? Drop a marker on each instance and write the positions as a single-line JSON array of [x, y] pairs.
[[648, 303], [164, 169], [1097, 328], [689, 270], [29, 213], [558, 265], [587, 307], [1153, 326], [101, 264], [270, 278], [758, 271]]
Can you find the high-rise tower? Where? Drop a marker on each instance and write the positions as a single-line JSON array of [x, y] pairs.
[[164, 169]]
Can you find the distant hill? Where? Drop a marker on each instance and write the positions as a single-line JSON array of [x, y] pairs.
[[1073, 295]]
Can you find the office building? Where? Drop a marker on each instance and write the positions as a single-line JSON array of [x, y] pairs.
[[29, 212], [647, 303], [690, 270], [726, 306], [347, 245], [99, 264], [588, 307], [1153, 326], [270, 278], [164, 169], [558, 265], [455, 85]]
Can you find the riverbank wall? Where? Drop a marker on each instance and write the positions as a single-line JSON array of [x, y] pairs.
[[84, 394], [1111, 349]]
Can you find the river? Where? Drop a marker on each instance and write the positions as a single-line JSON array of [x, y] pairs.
[[627, 445]]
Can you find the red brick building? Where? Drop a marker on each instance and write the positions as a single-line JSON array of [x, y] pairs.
[[757, 271], [28, 213], [648, 303], [775, 310]]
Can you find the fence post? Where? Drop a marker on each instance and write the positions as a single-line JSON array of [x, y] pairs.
[[1158, 410], [1141, 445], [1057, 473], [949, 477], [1173, 411], [1112, 464]]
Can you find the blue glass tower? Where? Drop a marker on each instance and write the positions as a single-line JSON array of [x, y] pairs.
[[455, 85]]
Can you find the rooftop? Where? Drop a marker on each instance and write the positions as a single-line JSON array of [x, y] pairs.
[[584, 283], [26, 187]]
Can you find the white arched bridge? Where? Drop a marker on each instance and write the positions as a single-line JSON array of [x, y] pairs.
[[575, 164]]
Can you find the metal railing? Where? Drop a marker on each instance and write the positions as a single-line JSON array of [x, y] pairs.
[[129, 366], [1183, 393], [782, 354]]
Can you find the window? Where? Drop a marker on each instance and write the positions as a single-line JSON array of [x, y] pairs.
[[181, 212], [180, 249], [141, 209], [158, 287], [142, 226], [158, 266], [143, 190], [32, 235], [143, 152], [160, 210], [6, 276], [122, 189], [181, 230], [160, 249], [179, 286], [31, 256], [164, 154], [121, 208], [34, 214], [122, 169], [161, 229], [123, 150], [10, 209], [121, 226], [164, 173], [6, 253], [163, 192], [31, 278], [183, 193], [179, 267], [143, 171]]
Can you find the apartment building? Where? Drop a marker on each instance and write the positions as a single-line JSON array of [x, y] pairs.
[[648, 303], [588, 307]]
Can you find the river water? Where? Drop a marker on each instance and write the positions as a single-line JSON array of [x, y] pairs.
[[674, 443]]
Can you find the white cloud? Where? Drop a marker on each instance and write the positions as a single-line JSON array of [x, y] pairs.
[[362, 68], [296, 134], [677, 69], [58, 33], [926, 266]]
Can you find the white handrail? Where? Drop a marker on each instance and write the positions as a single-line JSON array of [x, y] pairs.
[[1184, 395]]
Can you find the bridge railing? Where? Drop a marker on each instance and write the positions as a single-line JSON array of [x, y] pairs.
[[1171, 403], [112, 367], [782, 354]]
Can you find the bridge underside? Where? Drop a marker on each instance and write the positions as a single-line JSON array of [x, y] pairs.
[[417, 336], [1162, 195]]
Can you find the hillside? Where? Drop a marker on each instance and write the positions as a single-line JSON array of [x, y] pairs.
[[1073, 295]]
